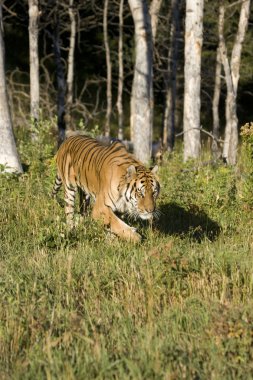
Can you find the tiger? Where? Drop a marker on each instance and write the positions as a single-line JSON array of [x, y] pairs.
[[114, 178]]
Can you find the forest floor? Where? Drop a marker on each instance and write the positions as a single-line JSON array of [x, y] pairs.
[[81, 305]]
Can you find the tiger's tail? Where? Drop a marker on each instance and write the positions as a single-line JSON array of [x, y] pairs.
[[57, 185]]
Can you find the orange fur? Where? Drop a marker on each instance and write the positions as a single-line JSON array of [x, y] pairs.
[[116, 180]]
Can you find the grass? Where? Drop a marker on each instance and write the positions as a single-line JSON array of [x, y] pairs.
[[81, 305]]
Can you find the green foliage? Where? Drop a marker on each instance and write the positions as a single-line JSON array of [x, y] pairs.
[[81, 305], [93, 132], [38, 146], [247, 163]]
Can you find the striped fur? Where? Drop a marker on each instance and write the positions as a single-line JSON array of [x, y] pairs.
[[116, 180]]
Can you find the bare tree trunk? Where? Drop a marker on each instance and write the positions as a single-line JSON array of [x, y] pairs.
[[34, 58], [192, 73], [109, 72], [215, 106], [142, 88], [171, 80], [230, 93], [216, 96], [70, 74], [8, 151], [121, 72], [237, 48], [155, 7], [232, 74], [61, 83]]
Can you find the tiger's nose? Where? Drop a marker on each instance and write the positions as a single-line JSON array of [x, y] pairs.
[[150, 208]]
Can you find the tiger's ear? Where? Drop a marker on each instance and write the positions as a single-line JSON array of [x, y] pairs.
[[154, 170], [131, 170]]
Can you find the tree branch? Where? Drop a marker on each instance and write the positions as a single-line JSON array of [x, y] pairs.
[[201, 130]]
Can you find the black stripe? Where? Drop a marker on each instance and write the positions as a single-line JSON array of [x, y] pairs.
[[112, 200], [86, 179], [128, 162]]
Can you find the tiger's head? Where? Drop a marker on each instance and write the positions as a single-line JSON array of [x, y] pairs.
[[141, 191]]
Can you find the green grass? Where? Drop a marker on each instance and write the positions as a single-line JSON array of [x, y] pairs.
[[80, 305]]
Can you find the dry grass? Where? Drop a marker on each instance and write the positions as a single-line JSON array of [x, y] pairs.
[[82, 306]]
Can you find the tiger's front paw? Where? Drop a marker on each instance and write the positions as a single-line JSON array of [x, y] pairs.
[[134, 236]]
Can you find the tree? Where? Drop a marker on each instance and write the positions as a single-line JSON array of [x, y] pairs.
[[155, 7], [109, 71], [34, 58], [170, 79], [192, 68], [142, 87], [121, 72], [8, 152], [61, 81], [232, 74], [216, 95], [87, 87], [70, 73], [58, 22]]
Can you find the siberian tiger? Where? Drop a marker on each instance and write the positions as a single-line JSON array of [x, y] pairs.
[[116, 180]]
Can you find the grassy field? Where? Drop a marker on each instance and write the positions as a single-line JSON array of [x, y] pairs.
[[82, 305]]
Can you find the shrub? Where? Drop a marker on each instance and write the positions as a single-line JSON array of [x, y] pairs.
[[246, 191]]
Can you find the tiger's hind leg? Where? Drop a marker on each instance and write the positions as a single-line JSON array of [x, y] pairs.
[[84, 201], [57, 185], [70, 193]]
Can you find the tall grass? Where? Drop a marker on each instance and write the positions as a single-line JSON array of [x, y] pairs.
[[81, 305]]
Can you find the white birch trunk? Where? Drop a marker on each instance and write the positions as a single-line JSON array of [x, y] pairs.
[[155, 7], [34, 58], [215, 106], [8, 151], [171, 80], [216, 95], [235, 73], [232, 74], [230, 93], [109, 72], [121, 72], [61, 83], [237, 48], [192, 73], [142, 88], [70, 73]]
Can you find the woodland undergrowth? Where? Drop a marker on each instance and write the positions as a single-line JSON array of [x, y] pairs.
[[82, 305]]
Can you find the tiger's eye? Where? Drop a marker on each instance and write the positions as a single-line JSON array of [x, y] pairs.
[[140, 193]]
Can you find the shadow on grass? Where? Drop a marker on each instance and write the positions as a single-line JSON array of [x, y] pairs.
[[175, 220], [25, 167]]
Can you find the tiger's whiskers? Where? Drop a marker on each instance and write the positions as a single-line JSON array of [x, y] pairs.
[[157, 213]]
